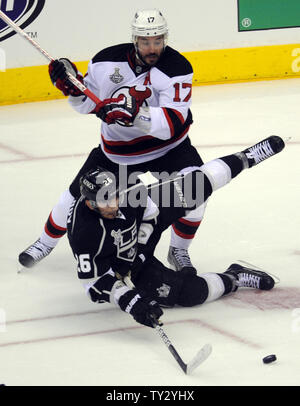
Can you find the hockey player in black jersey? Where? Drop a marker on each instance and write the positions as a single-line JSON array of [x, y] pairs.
[[147, 88], [111, 239]]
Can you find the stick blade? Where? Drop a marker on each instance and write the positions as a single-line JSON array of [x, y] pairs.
[[201, 356]]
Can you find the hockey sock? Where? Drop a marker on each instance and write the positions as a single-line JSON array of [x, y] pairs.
[[235, 164], [184, 229], [182, 233], [52, 232], [56, 224], [220, 171]]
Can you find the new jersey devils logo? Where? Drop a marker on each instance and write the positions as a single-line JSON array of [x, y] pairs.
[[140, 93], [22, 12]]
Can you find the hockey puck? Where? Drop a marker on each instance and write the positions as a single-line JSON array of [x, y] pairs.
[[269, 358]]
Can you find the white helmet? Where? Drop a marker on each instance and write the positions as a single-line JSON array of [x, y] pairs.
[[149, 23]]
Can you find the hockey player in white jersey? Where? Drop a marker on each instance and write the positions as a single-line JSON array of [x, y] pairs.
[[111, 240], [146, 87]]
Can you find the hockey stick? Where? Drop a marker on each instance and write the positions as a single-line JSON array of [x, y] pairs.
[[72, 78], [198, 359]]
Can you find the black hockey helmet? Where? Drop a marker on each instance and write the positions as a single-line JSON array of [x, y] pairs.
[[99, 186]]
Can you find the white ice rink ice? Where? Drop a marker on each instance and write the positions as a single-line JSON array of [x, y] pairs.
[[54, 335]]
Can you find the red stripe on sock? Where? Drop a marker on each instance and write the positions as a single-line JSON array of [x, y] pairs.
[[50, 234], [182, 235], [55, 225], [190, 223]]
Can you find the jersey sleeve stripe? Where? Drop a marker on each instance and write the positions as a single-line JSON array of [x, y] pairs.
[[176, 121], [169, 120], [179, 115]]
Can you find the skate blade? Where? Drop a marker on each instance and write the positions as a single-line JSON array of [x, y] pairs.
[[22, 269], [255, 267]]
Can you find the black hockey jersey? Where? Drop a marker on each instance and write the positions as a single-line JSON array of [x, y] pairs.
[[101, 245], [167, 87]]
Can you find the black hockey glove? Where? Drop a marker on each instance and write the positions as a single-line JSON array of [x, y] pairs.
[[123, 108], [143, 309], [58, 73]]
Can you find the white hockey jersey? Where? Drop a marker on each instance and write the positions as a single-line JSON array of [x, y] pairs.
[[167, 89]]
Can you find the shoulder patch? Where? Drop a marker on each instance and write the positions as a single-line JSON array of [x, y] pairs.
[[172, 63], [116, 53]]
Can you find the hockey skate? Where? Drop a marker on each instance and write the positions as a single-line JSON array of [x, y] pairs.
[[179, 258], [34, 254], [263, 150], [250, 278]]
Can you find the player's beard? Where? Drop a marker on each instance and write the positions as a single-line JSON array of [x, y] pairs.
[[151, 59]]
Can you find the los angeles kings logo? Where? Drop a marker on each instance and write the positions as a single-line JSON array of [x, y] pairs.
[[22, 12], [126, 241]]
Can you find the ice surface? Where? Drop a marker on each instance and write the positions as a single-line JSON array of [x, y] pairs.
[[55, 336]]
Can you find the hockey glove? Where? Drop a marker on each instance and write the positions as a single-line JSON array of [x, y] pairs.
[[123, 108], [144, 310], [58, 73]]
